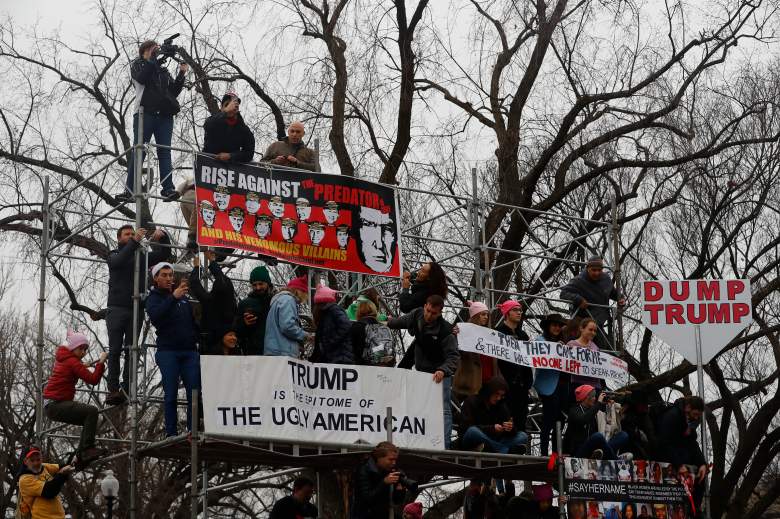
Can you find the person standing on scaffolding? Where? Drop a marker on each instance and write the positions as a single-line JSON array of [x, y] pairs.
[[60, 392], [119, 316], [156, 91], [590, 293]]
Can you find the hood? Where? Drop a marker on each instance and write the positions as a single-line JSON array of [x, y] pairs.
[[283, 292], [63, 354], [491, 386]]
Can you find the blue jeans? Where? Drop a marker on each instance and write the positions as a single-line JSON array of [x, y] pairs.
[[598, 441], [175, 365], [161, 126], [474, 436], [446, 390]]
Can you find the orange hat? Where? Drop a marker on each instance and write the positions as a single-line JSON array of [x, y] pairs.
[[582, 392]]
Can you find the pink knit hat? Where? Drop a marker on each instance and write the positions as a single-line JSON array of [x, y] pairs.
[[582, 392], [301, 283], [475, 307], [414, 510], [508, 305], [324, 294], [75, 339], [542, 492]]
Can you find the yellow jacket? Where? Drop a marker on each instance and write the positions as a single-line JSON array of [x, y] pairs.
[[31, 494]]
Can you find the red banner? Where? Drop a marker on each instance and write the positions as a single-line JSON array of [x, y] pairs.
[[313, 219]]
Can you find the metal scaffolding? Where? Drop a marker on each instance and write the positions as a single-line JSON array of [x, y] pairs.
[[453, 233]]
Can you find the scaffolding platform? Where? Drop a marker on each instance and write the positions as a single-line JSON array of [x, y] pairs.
[[415, 462]]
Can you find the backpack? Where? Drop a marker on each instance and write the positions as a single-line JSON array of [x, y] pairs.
[[380, 346]]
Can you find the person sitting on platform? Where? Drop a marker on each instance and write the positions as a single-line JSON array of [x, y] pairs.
[[582, 437], [297, 505], [119, 316], [593, 287], [518, 378], [252, 312], [378, 484], [486, 422], [218, 305], [283, 331], [438, 350], [291, 151], [40, 485], [332, 340], [177, 341], [61, 389], [551, 385]]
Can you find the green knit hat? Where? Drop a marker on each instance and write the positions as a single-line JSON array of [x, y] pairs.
[[260, 274]]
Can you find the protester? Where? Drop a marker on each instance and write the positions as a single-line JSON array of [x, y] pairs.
[[429, 280], [283, 331], [435, 350], [542, 507], [637, 423], [372, 341], [225, 134], [551, 385], [519, 378], [378, 484], [582, 437], [297, 505], [473, 368], [372, 295], [592, 287], [61, 389], [218, 306], [291, 151], [332, 339], [486, 422], [587, 331], [39, 487], [156, 91], [177, 341], [480, 501], [252, 312], [119, 315], [413, 511], [677, 439], [226, 342]]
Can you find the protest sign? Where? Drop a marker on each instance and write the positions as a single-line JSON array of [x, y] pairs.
[[281, 398], [672, 309], [620, 488], [326, 221], [541, 354]]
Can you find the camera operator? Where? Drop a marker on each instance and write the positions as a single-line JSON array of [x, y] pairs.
[[377, 480], [156, 91]]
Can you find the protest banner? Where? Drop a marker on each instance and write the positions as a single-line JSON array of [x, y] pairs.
[[721, 308], [541, 354], [281, 398], [319, 220], [628, 489]]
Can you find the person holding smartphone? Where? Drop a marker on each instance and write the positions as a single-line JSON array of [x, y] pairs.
[[177, 341]]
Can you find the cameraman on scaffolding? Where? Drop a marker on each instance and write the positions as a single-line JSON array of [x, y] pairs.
[[156, 91]]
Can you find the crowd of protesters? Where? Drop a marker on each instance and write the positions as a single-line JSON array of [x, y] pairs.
[[492, 397]]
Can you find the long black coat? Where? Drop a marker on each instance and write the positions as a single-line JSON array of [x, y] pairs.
[[221, 137], [218, 306], [332, 340], [372, 495]]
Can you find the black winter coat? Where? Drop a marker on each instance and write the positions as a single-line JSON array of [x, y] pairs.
[[332, 340], [372, 495], [218, 306], [676, 444], [475, 412], [221, 137], [358, 338], [159, 88], [582, 424], [252, 337], [120, 269], [409, 299]]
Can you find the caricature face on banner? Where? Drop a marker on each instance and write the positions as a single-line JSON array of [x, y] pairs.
[[324, 221]]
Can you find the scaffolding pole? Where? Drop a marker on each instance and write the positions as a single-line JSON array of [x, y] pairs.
[[134, 351], [475, 237], [618, 329], [41, 314]]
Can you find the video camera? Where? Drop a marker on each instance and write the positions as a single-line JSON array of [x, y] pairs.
[[168, 49], [409, 484]]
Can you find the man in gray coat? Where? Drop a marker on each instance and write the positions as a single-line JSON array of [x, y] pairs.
[[435, 349], [592, 287]]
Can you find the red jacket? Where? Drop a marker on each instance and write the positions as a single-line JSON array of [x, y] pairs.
[[68, 369]]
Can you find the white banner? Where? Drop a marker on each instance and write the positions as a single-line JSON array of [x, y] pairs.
[[540, 354], [280, 398], [720, 307]]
